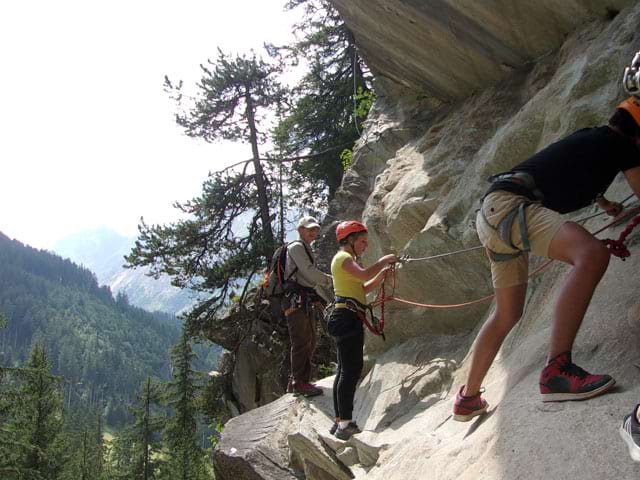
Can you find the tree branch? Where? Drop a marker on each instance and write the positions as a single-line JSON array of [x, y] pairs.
[[288, 159]]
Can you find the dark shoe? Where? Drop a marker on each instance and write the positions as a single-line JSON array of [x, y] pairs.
[[306, 389], [630, 433], [563, 380], [465, 408], [290, 386], [333, 428], [347, 432]]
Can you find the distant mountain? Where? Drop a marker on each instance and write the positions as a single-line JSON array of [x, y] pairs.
[[102, 251]]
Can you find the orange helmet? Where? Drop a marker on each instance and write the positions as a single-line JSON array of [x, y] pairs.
[[344, 229], [632, 105]]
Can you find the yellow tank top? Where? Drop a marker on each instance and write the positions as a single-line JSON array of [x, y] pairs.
[[345, 284]]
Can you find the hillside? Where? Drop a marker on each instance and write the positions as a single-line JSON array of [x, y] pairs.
[[104, 347]]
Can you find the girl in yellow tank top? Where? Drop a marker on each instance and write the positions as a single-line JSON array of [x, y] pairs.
[[350, 280]]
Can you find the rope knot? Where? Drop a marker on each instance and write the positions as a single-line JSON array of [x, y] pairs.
[[617, 248]]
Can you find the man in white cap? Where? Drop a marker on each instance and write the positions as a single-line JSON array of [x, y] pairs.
[[304, 275]]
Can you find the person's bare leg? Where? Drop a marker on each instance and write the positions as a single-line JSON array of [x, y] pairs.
[[509, 306], [589, 258]]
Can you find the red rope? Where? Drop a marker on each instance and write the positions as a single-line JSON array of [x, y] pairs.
[[617, 247], [382, 307]]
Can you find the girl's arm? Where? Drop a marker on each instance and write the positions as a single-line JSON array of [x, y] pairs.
[[368, 273], [375, 281]]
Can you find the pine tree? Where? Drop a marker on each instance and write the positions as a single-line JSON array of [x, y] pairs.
[[32, 445], [87, 450], [227, 235], [235, 92], [329, 104], [187, 457], [136, 452]]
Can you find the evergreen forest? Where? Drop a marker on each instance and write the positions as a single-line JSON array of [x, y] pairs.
[[78, 365]]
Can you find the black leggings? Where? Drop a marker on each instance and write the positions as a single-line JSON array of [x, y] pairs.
[[350, 351]]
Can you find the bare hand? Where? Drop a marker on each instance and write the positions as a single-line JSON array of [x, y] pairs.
[[614, 209], [390, 259]]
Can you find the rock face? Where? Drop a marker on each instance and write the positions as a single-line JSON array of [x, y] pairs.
[[418, 173], [449, 49], [255, 369]]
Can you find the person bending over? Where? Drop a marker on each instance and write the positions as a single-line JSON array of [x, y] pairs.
[[521, 213]]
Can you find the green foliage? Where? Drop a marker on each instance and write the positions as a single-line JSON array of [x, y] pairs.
[[227, 236], [213, 250], [217, 432], [235, 94], [86, 450], [364, 101], [211, 402], [346, 157], [136, 453], [232, 92], [325, 117], [31, 444], [104, 348], [325, 370], [187, 458]]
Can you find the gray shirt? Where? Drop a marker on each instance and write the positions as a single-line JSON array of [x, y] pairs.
[[307, 275]]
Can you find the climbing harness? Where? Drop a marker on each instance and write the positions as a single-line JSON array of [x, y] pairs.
[[523, 179], [528, 185], [503, 230], [364, 313]]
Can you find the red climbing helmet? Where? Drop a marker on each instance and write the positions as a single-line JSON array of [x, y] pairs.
[[344, 229]]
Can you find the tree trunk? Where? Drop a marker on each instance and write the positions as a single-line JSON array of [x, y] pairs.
[[146, 435], [281, 192], [263, 201]]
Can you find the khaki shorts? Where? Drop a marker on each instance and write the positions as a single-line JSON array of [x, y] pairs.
[[542, 225]]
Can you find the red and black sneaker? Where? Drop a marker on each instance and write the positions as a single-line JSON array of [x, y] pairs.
[[306, 389], [465, 408], [563, 380]]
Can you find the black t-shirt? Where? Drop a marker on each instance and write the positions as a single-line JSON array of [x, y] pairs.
[[573, 171]]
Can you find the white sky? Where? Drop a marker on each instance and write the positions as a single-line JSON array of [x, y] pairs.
[[87, 136]]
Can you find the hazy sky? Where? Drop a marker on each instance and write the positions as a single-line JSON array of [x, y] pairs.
[[87, 136]]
